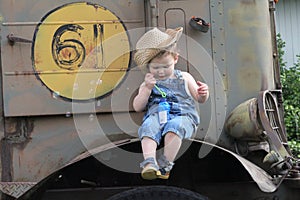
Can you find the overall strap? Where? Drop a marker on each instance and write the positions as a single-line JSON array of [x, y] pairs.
[[178, 74]]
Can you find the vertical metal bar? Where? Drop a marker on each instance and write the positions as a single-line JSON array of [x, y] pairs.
[[153, 12], [218, 54], [276, 65]]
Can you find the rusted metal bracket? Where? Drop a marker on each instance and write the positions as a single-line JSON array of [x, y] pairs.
[[279, 155], [17, 131], [13, 39]]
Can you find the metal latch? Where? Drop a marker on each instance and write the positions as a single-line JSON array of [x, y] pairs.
[[13, 39]]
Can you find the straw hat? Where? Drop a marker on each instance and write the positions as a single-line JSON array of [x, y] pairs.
[[154, 41]]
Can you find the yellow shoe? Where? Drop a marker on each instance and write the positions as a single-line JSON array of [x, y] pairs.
[[163, 174], [150, 172]]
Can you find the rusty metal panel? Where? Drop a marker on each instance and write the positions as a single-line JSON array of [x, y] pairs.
[[37, 147], [249, 51], [55, 141], [56, 52]]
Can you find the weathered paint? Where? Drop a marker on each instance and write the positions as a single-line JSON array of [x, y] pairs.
[[36, 73], [75, 49], [249, 43]]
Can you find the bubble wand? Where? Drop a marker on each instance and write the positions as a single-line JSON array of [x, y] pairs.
[[163, 94]]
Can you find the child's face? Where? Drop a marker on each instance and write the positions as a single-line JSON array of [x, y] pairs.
[[163, 67]]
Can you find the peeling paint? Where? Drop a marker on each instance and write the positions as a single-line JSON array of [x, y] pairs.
[[18, 130]]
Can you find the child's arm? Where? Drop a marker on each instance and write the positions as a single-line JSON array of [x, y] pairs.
[[198, 90], [141, 99]]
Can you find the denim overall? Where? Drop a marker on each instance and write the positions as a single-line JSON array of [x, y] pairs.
[[184, 117]]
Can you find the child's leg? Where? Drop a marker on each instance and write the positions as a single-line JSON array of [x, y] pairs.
[[149, 148], [150, 168], [150, 136], [172, 146], [166, 161], [176, 129]]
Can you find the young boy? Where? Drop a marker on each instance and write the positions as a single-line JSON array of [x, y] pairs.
[[156, 53]]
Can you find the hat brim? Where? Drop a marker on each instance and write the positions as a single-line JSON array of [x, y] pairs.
[[144, 55]]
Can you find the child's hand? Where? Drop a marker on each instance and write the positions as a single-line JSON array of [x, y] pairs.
[[150, 81], [202, 89]]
